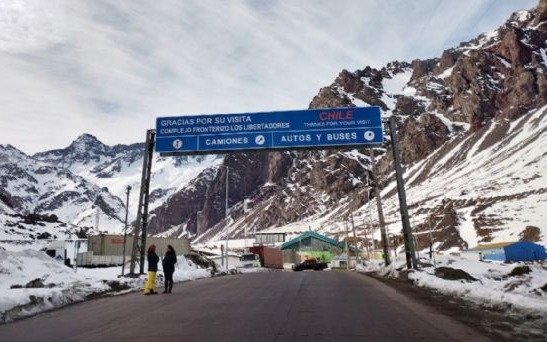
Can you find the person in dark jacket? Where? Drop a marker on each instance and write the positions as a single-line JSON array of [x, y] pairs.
[[168, 263], [153, 259]]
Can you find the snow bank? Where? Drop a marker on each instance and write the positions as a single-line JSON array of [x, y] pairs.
[[32, 282], [494, 287], [186, 270]]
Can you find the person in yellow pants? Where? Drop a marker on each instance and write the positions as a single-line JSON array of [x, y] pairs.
[[153, 260]]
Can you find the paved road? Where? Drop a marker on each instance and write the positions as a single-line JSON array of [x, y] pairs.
[[276, 306]]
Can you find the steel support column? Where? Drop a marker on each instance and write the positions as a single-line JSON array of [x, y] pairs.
[[410, 253], [142, 214]]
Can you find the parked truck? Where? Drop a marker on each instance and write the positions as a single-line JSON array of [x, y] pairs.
[[248, 260], [269, 257]]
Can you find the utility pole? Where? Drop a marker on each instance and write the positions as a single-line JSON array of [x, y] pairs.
[[369, 204], [127, 190], [222, 255], [76, 249], [245, 210], [415, 237], [432, 256], [369, 220], [347, 245], [198, 219], [354, 235], [226, 216], [394, 243], [97, 218], [381, 221], [367, 247], [411, 261]]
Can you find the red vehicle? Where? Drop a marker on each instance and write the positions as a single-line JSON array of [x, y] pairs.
[[269, 257]]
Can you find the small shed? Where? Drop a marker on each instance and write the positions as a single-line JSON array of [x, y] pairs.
[[512, 251], [341, 261], [57, 250], [65, 250], [233, 261]]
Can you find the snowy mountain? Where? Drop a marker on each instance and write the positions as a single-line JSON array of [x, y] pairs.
[[119, 166], [73, 182], [31, 186], [87, 155]]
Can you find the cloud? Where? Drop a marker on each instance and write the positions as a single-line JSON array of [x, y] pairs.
[[27, 26], [110, 67]]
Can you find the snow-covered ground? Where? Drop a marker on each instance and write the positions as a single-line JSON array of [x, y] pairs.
[[493, 288], [32, 282]]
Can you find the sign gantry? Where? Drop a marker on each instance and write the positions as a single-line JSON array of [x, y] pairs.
[[282, 130], [315, 128]]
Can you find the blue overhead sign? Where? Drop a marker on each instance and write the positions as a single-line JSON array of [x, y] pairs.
[[314, 128]]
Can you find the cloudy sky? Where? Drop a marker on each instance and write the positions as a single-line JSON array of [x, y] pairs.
[[110, 67]]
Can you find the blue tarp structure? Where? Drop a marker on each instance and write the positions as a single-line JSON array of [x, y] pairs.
[[524, 251], [512, 251]]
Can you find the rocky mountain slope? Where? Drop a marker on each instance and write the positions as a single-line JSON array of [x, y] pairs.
[[464, 120]]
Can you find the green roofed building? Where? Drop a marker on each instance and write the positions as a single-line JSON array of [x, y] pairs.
[[311, 245]]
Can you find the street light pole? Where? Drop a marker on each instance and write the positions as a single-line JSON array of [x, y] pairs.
[[127, 190], [198, 218], [370, 255], [226, 216], [432, 256], [347, 244], [245, 227], [354, 238]]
